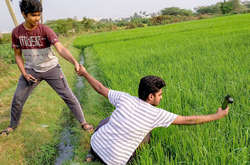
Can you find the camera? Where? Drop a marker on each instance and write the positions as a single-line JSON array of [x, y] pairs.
[[227, 100]]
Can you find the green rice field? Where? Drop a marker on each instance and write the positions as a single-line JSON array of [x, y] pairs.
[[201, 62]]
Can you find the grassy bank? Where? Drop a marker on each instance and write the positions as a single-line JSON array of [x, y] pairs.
[[201, 62], [36, 138], [96, 107]]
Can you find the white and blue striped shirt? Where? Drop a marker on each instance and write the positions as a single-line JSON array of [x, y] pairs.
[[130, 122]]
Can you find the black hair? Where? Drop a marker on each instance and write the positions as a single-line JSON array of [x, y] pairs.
[[150, 84], [30, 6]]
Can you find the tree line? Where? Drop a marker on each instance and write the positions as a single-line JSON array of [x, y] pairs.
[[141, 19]]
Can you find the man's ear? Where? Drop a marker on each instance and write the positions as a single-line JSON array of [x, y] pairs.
[[150, 97]]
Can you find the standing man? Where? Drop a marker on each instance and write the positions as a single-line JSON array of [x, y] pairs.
[[118, 136], [32, 41]]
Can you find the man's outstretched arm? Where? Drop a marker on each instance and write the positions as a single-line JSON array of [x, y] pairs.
[[98, 86], [187, 120], [65, 53]]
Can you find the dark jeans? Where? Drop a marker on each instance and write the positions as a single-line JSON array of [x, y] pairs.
[[55, 78], [102, 123]]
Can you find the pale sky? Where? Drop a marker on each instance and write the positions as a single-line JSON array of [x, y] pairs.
[[56, 9]]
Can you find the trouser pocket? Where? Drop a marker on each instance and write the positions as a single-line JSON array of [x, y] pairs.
[[63, 81], [31, 72]]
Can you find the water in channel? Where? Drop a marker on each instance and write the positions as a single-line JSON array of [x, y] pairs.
[[66, 149]]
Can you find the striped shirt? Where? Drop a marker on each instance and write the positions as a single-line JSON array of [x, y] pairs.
[[130, 122]]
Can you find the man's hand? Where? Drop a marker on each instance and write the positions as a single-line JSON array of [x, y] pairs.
[[29, 77], [77, 67], [82, 70], [222, 113], [98, 87]]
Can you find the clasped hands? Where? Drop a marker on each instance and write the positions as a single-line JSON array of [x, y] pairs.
[[81, 70]]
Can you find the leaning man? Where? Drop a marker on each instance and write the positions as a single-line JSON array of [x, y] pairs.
[[117, 137]]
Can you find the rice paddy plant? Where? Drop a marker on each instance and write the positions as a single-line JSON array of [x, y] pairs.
[[201, 62]]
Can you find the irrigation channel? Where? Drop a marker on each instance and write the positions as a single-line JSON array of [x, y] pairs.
[[65, 148]]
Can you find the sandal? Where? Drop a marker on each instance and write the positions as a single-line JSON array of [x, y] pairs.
[[90, 157], [88, 127], [6, 131]]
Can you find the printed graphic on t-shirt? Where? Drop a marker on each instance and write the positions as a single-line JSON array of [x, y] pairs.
[[32, 41]]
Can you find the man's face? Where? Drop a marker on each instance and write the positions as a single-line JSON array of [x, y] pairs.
[[32, 19], [156, 98]]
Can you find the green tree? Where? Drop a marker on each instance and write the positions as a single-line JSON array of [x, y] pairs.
[[246, 4], [236, 5], [212, 9], [232, 6], [88, 23], [61, 26], [176, 11], [139, 19]]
